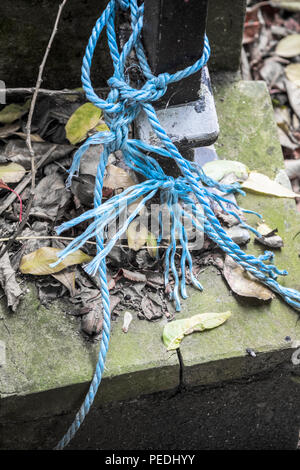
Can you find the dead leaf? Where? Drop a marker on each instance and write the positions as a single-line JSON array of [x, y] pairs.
[[37, 229], [51, 196], [117, 178], [265, 230], [260, 183], [67, 278], [16, 151], [269, 237], [289, 46], [37, 262], [292, 168], [137, 235], [252, 26], [243, 283], [285, 140], [155, 279], [84, 189], [132, 276], [90, 162], [293, 92], [9, 129], [4, 186], [92, 322], [9, 283], [273, 73], [11, 173], [175, 331], [34, 137], [217, 169], [114, 302], [292, 72], [13, 112], [151, 311], [290, 5]]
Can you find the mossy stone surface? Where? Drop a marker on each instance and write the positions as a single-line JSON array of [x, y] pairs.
[[49, 363], [46, 352], [248, 134]]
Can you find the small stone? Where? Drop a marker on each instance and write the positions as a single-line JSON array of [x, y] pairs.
[[238, 234], [250, 352]]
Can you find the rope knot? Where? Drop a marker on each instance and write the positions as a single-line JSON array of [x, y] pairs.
[[161, 81], [169, 183], [120, 130]]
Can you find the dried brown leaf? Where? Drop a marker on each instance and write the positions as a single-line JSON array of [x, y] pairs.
[[242, 283]]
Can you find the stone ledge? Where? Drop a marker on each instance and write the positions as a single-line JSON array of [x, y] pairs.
[[248, 134], [49, 364], [46, 354]]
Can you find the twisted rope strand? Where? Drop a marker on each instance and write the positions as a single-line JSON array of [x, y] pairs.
[[121, 107]]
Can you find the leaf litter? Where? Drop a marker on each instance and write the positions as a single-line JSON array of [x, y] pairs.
[[135, 265], [271, 51]]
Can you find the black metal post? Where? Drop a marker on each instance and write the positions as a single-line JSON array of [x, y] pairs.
[[173, 36]]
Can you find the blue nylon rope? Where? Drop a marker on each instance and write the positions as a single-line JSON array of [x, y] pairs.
[[121, 107]]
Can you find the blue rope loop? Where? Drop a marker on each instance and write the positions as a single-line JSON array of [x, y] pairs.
[[183, 196]]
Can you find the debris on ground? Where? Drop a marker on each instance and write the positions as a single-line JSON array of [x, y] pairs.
[[135, 266], [271, 52]]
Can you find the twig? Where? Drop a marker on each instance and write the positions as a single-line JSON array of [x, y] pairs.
[[245, 67], [36, 91], [44, 91], [25, 181], [258, 5], [43, 237], [56, 237], [28, 131]]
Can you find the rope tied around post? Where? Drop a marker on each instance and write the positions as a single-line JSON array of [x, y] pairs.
[[188, 196]]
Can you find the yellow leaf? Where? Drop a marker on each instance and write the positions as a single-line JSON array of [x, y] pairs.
[[117, 178], [38, 261], [137, 235], [292, 72], [34, 137], [85, 118], [260, 183], [289, 46], [11, 173], [174, 331], [102, 127], [291, 5], [151, 245], [217, 169], [264, 229]]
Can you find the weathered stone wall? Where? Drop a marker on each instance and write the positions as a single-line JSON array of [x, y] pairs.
[[225, 24], [25, 27]]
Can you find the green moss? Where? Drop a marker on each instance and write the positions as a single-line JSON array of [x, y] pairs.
[[248, 134], [50, 364]]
